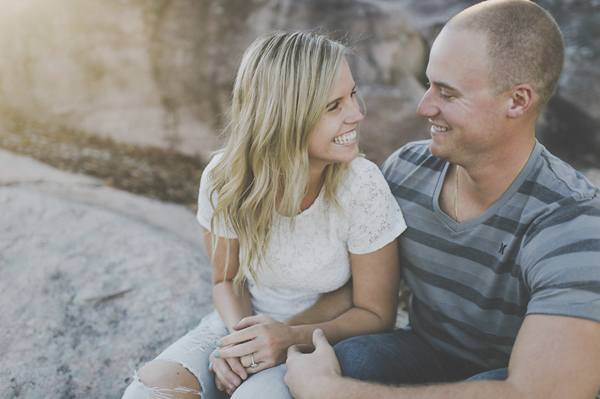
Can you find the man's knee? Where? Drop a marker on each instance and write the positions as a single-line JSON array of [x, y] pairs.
[[357, 356]]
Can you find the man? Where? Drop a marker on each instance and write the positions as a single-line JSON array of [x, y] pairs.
[[502, 250]]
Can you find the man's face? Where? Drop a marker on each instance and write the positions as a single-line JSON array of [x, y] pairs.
[[467, 117]]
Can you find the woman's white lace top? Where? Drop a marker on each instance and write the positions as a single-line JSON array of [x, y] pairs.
[[313, 257]]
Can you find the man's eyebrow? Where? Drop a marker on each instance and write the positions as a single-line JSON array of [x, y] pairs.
[[338, 99], [446, 86]]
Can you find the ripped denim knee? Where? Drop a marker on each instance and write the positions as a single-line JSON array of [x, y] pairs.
[[138, 390]]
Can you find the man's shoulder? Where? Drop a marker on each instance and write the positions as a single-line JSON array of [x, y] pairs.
[[415, 148], [561, 203], [562, 180]]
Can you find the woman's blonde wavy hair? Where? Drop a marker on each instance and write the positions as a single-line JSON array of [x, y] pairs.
[[280, 93]]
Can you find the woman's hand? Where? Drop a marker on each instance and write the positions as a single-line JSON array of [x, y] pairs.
[[229, 373], [259, 338]]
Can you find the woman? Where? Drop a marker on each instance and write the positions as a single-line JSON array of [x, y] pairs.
[[289, 212]]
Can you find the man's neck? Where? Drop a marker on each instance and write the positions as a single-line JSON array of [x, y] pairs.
[[478, 186]]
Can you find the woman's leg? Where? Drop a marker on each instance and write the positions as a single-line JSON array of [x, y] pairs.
[[267, 384], [181, 371], [161, 379]]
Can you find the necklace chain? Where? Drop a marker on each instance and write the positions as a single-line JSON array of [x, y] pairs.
[[456, 197]]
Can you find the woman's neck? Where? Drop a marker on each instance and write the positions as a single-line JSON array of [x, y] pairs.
[[315, 183]]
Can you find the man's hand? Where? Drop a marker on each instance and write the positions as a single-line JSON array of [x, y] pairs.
[[310, 375]]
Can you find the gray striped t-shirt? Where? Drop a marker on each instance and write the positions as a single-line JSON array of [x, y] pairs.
[[536, 250]]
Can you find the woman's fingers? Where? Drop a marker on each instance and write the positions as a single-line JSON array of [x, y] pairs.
[[249, 321], [238, 350], [225, 378], [237, 338], [237, 367], [246, 361], [229, 373], [253, 364]]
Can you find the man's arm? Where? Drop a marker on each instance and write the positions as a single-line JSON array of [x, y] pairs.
[[553, 357], [328, 307]]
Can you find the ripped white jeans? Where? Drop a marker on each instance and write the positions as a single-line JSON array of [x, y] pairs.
[[192, 351]]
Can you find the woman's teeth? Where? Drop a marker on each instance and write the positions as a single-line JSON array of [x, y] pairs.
[[345, 138]]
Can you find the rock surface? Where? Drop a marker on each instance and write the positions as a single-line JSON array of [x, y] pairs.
[[160, 72], [93, 282]]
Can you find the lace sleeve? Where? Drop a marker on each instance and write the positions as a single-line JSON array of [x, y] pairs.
[[205, 208], [375, 217]]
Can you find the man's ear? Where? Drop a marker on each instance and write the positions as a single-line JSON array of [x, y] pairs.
[[522, 100]]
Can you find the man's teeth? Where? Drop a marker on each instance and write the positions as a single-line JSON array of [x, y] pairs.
[[440, 128], [345, 138]]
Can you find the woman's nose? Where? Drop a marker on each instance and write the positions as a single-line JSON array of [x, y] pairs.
[[355, 115]]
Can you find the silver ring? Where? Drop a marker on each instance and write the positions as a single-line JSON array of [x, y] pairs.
[[253, 365]]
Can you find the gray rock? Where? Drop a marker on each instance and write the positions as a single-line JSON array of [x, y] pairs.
[[87, 293]]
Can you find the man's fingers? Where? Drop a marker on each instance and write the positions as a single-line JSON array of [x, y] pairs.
[[293, 350], [319, 339]]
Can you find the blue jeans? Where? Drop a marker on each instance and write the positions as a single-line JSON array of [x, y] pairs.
[[402, 358]]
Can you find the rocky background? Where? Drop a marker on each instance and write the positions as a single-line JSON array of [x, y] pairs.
[[159, 72], [99, 270]]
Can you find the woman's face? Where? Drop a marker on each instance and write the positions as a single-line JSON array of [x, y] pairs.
[[334, 138]]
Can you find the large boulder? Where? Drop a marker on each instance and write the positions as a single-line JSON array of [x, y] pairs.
[[160, 72], [93, 282]]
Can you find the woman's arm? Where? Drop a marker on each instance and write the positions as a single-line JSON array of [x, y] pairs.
[[375, 284], [232, 306]]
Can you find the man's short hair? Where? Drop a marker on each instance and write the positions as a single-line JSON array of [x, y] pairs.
[[525, 44]]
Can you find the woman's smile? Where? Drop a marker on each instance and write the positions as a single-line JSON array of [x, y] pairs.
[[346, 138]]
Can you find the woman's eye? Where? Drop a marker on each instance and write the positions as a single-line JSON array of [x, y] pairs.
[[334, 107]]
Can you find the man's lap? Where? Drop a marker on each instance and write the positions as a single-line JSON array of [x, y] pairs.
[[398, 358]]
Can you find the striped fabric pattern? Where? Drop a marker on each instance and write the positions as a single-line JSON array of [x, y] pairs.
[[536, 251]]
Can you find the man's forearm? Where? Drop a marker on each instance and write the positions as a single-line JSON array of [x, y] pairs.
[[328, 307], [342, 388]]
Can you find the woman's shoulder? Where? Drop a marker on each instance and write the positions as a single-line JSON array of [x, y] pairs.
[[364, 173], [362, 164], [216, 157]]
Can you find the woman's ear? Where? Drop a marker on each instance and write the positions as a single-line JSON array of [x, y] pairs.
[[521, 100]]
